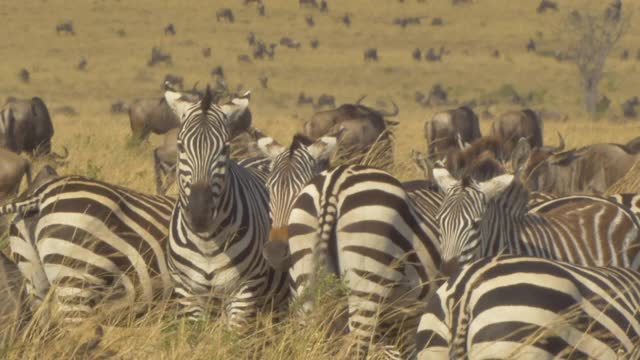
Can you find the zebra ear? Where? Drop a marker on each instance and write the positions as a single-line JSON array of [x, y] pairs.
[[324, 148], [494, 187], [520, 156], [270, 147], [234, 111], [176, 103], [444, 179]]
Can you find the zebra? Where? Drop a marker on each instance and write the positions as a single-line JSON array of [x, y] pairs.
[[290, 170], [220, 221], [359, 223], [519, 307], [88, 241], [486, 218]]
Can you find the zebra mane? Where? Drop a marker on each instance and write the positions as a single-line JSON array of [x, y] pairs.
[[298, 141], [207, 98], [466, 181]]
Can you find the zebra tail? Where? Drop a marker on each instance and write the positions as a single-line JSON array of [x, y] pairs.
[[22, 207], [322, 260]]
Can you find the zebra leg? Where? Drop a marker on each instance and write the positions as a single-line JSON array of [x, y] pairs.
[[191, 306], [243, 308]]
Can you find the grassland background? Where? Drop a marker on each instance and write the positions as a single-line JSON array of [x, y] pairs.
[[117, 70]]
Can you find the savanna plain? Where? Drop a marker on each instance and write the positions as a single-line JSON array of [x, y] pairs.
[[100, 144]]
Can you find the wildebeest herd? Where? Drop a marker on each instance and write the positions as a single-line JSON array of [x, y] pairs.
[[509, 248]]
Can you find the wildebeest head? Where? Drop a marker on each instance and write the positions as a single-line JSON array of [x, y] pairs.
[[533, 165], [291, 169], [203, 153]]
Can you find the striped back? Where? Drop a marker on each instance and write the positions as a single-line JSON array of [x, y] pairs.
[[523, 307], [90, 235]]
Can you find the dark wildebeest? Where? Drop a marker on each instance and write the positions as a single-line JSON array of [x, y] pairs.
[[314, 43], [359, 126], [416, 54], [325, 100], [442, 131], [346, 19], [159, 56], [225, 14], [218, 71], [371, 54], [32, 130], [546, 5], [513, 125], [24, 75], [82, 64], [13, 168], [531, 45], [304, 99], [310, 21], [65, 27], [308, 3], [206, 52], [170, 29], [290, 43], [591, 169]]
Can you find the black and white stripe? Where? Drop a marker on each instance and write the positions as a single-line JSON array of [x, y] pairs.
[[88, 240], [487, 218], [531, 308], [359, 223], [220, 222]]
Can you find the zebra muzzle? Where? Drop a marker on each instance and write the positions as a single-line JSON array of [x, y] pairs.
[[276, 250], [200, 208], [449, 267]]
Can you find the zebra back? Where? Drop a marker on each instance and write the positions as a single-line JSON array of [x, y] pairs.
[[524, 307]]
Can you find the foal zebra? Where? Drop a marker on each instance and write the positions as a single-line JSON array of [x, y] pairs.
[[531, 308], [89, 240], [486, 218], [359, 223], [220, 221]]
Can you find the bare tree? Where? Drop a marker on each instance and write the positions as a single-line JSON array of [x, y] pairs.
[[591, 36]]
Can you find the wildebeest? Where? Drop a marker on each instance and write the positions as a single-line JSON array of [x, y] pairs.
[[217, 71], [546, 5], [346, 19], [151, 115], [264, 81], [513, 125], [32, 130], [442, 130], [371, 54], [119, 106], [325, 100], [206, 52], [531, 45], [65, 28], [314, 43], [589, 169], [170, 29], [159, 56], [12, 169], [225, 14], [308, 3], [24, 75], [409, 20], [304, 99], [290, 43], [175, 81], [359, 126], [310, 21], [416, 54], [82, 64]]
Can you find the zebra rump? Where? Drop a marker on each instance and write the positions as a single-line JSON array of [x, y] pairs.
[[358, 223], [89, 240], [513, 307]]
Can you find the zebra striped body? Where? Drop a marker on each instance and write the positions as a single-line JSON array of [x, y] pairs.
[[485, 219], [512, 307], [358, 223], [87, 240], [220, 222]]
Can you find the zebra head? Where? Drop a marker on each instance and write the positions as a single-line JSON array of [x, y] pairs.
[[291, 169], [203, 153], [459, 217]]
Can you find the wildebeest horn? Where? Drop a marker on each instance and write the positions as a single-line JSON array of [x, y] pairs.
[[395, 111], [360, 99], [558, 148], [55, 156], [195, 86]]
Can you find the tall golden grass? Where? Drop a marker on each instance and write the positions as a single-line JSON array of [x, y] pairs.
[[100, 146]]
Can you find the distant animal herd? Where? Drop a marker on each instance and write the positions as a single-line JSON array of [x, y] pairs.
[[507, 248]]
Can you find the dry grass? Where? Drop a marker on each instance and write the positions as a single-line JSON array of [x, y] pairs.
[[99, 142]]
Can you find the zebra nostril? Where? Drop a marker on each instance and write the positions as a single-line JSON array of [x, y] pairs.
[[449, 267]]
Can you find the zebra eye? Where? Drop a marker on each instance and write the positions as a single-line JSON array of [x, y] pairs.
[[476, 222]]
